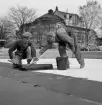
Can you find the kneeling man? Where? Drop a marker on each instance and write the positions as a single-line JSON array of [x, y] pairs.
[[24, 49]]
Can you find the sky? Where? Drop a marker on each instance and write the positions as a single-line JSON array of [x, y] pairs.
[[42, 6]]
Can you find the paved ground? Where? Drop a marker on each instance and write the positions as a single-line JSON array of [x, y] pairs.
[[51, 87], [56, 87]]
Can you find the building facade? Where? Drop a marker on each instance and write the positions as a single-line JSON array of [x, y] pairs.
[[45, 24]]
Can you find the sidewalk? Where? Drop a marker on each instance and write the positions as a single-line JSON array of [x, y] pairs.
[[56, 87]]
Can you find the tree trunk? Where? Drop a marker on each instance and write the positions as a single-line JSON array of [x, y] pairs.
[[86, 37]]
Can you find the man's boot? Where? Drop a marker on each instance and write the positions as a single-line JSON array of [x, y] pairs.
[[22, 68], [18, 66], [15, 66], [82, 65]]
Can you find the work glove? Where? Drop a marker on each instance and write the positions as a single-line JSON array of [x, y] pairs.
[[33, 61]]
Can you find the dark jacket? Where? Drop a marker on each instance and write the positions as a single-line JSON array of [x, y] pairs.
[[21, 48]]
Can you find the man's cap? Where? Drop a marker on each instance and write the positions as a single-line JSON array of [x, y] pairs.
[[26, 35]]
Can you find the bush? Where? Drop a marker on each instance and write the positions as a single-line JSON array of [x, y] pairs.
[[84, 48], [94, 48], [90, 48]]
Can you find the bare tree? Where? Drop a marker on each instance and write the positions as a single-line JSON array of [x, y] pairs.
[[21, 15], [89, 14], [6, 28]]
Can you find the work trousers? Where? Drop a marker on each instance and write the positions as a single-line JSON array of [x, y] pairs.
[[25, 55], [66, 41]]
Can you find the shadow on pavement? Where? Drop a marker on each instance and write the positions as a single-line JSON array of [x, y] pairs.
[[80, 88]]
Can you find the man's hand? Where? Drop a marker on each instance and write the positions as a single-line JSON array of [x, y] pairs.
[[13, 61], [33, 61]]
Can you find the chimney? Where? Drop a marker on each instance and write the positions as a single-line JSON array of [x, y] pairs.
[[50, 11], [56, 8]]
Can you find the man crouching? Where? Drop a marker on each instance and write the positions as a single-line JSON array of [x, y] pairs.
[[24, 49]]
